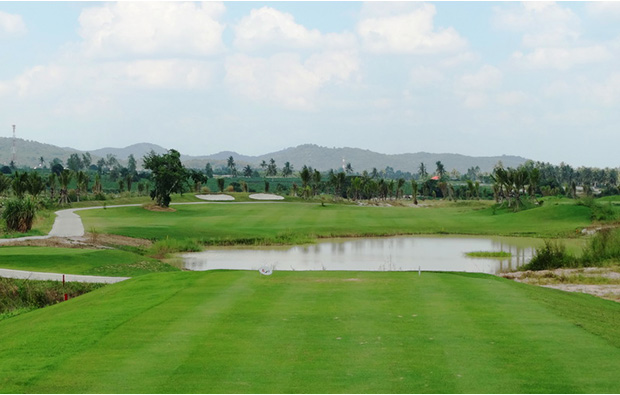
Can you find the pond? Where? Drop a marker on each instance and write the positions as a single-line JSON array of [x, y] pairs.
[[410, 253]]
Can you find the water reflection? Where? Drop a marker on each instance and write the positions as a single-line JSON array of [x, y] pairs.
[[374, 254]]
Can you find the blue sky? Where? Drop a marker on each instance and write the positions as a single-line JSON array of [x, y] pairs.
[[535, 79]]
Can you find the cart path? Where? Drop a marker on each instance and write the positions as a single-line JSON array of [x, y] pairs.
[[69, 225]]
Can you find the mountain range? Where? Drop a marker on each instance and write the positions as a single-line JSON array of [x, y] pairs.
[[29, 153]]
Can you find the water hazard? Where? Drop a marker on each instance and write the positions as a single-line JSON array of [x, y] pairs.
[[373, 254]]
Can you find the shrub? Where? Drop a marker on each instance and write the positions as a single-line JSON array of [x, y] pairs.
[[604, 245], [598, 212], [205, 190], [162, 248], [19, 214], [552, 255]]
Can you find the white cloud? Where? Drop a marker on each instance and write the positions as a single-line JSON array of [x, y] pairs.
[[487, 78], [562, 58], [285, 79], [605, 10], [158, 28], [410, 32], [11, 24], [423, 75], [268, 27], [512, 98], [542, 23]]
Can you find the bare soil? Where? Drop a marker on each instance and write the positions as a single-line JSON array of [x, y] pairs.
[[154, 207], [603, 282]]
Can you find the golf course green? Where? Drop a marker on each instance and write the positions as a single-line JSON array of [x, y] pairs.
[[315, 332], [307, 332]]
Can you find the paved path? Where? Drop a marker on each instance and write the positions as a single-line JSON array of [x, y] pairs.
[[69, 225], [25, 275]]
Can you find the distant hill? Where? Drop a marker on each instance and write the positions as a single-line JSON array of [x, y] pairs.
[[29, 152], [321, 158], [137, 150]]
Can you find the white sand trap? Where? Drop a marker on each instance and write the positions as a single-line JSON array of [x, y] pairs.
[[265, 196], [215, 198]]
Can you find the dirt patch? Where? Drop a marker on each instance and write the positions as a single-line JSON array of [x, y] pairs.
[[603, 282], [156, 208], [57, 242], [115, 240], [352, 279]]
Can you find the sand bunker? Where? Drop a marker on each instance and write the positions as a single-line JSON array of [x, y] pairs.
[[215, 198], [265, 196]]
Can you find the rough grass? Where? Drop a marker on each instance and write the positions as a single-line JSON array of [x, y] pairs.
[[489, 254], [20, 296], [315, 332], [102, 262]]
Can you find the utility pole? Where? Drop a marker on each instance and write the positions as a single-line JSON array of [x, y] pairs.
[[14, 150]]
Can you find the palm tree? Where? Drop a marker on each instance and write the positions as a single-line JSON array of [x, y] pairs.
[[82, 183], [287, 170], [414, 193], [247, 171], [51, 182], [65, 178], [316, 181], [97, 189], [399, 188], [272, 170], [422, 171], [305, 176], [441, 171], [232, 166]]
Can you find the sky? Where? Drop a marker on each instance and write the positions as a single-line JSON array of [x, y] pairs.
[[534, 79]]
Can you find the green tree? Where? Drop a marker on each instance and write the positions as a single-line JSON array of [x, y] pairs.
[[74, 163], [232, 166], [414, 193], [272, 170], [87, 160], [247, 171], [422, 172], [65, 178], [167, 173], [209, 170], [131, 165], [306, 175], [287, 170], [220, 184], [35, 184], [441, 170]]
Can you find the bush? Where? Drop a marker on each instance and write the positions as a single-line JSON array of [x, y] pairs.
[[552, 255], [19, 214], [604, 245], [598, 212], [162, 248]]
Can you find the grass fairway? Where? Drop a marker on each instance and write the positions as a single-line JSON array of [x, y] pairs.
[[215, 223], [79, 261], [315, 332]]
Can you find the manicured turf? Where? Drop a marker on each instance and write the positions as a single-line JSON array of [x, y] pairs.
[[79, 261], [315, 332], [217, 222]]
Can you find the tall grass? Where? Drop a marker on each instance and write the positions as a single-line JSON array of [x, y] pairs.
[[603, 246], [19, 296], [552, 255], [19, 214], [602, 249]]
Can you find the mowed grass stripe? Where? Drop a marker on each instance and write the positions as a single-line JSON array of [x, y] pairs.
[[230, 331]]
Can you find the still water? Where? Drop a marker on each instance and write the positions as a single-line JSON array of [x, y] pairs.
[[373, 254]]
